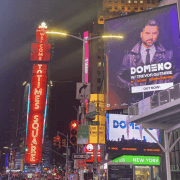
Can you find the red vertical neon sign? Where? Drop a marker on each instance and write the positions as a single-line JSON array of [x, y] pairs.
[[36, 114]]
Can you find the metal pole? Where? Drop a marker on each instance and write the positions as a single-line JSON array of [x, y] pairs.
[[67, 159], [83, 101], [166, 143]]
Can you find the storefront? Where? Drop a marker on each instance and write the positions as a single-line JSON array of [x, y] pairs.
[[145, 167]]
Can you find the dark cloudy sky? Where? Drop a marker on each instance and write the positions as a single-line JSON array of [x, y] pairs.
[[19, 20]]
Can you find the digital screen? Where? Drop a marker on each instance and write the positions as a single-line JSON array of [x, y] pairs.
[[129, 138], [119, 129], [146, 60]]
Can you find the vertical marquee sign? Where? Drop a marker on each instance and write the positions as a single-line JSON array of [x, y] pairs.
[[40, 52]]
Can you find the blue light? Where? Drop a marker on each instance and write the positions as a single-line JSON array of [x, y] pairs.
[[107, 123], [28, 104], [45, 113]]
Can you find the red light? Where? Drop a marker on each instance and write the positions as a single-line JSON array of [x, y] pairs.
[[36, 114], [74, 124]]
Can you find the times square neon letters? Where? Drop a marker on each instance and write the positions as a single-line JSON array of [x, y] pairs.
[[36, 115]]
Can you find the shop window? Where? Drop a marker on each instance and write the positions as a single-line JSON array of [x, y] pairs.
[[142, 172], [135, 8], [116, 1], [123, 7], [99, 64], [141, 8], [116, 7]]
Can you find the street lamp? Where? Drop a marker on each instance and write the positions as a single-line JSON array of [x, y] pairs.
[[85, 79], [6, 147]]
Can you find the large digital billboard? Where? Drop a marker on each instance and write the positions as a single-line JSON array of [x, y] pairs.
[[124, 136], [146, 60]]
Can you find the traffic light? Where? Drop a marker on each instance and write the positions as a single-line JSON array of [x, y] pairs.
[[57, 142], [63, 142], [73, 132]]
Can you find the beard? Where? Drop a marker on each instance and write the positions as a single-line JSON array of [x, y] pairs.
[[148, 42]]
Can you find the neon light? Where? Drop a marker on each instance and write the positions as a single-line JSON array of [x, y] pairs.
[[86, 36], [107, 125], [36, 114], [28, 104], [45, 113]]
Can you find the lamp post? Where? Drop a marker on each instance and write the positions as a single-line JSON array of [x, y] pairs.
[[85, 40], [67, 154]]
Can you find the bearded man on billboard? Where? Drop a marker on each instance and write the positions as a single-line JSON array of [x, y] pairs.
[[146, 52]]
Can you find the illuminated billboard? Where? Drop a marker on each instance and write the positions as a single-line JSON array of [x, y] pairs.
[[40, 51], [124, 136], [34, 138], [146, 60]]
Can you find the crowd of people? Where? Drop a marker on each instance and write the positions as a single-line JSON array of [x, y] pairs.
[[26, 177]]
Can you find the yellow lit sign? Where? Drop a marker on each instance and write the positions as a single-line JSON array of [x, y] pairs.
[[97, 133]]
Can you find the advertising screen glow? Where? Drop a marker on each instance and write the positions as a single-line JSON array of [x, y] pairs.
[[146, 61], [119, 128]]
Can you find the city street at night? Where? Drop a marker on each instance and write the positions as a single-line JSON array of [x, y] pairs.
[[90, 90]]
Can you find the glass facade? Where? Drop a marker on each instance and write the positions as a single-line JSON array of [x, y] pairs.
[[147, 172]]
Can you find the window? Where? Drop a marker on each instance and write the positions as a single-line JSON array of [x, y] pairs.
[[98, 89], [135, 2], [99, 64], [98, 72], [109, 0], [98, 80], [129, 8], [116, 7], [101, 19], [153, 1], [148, 1], [110, 7], [99, 56], [123, 1], [141, 8], [123, 7], [99, 48], [135, 8]]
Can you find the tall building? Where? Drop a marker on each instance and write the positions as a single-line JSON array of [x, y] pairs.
[[115, 8]]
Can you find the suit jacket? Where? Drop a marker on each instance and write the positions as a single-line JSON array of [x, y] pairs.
[[133, 59]]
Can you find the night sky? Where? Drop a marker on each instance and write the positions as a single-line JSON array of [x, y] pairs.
[[19, 20]]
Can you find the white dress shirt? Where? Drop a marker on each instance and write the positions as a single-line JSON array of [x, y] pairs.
[[152, 51]]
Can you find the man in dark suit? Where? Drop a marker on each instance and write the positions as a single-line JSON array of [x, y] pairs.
[[144, 56]]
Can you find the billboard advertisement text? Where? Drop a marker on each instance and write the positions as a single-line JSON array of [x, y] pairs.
[[146, 61]]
